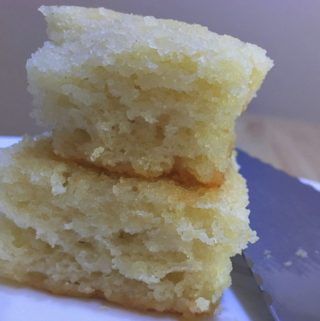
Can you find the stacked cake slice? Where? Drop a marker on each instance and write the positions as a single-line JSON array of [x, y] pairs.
[[135, 194]]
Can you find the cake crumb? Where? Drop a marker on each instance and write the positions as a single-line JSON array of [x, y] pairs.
[[287, 263], [96, 153], [202, 304], [267, 254], [301, 253]]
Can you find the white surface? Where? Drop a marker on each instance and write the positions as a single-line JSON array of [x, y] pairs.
[[242, 302], [6, 141]]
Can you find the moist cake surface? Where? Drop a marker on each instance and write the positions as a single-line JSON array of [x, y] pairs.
[[142, 96], [146, 244]]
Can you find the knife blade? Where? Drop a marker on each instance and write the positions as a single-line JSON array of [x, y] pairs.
[[286, 259]]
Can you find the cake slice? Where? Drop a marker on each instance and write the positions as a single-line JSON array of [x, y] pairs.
[[142, 96], [146, 244]]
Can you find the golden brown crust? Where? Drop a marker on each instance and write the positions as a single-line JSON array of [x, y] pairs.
[[178, 174]]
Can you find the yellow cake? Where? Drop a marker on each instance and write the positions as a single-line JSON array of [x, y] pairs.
[[150, 244], [142, 96]]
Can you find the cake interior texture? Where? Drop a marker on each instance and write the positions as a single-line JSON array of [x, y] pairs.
[[142, 96], [147, 244]]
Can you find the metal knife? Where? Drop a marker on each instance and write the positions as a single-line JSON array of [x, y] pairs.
[[286, 259]]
